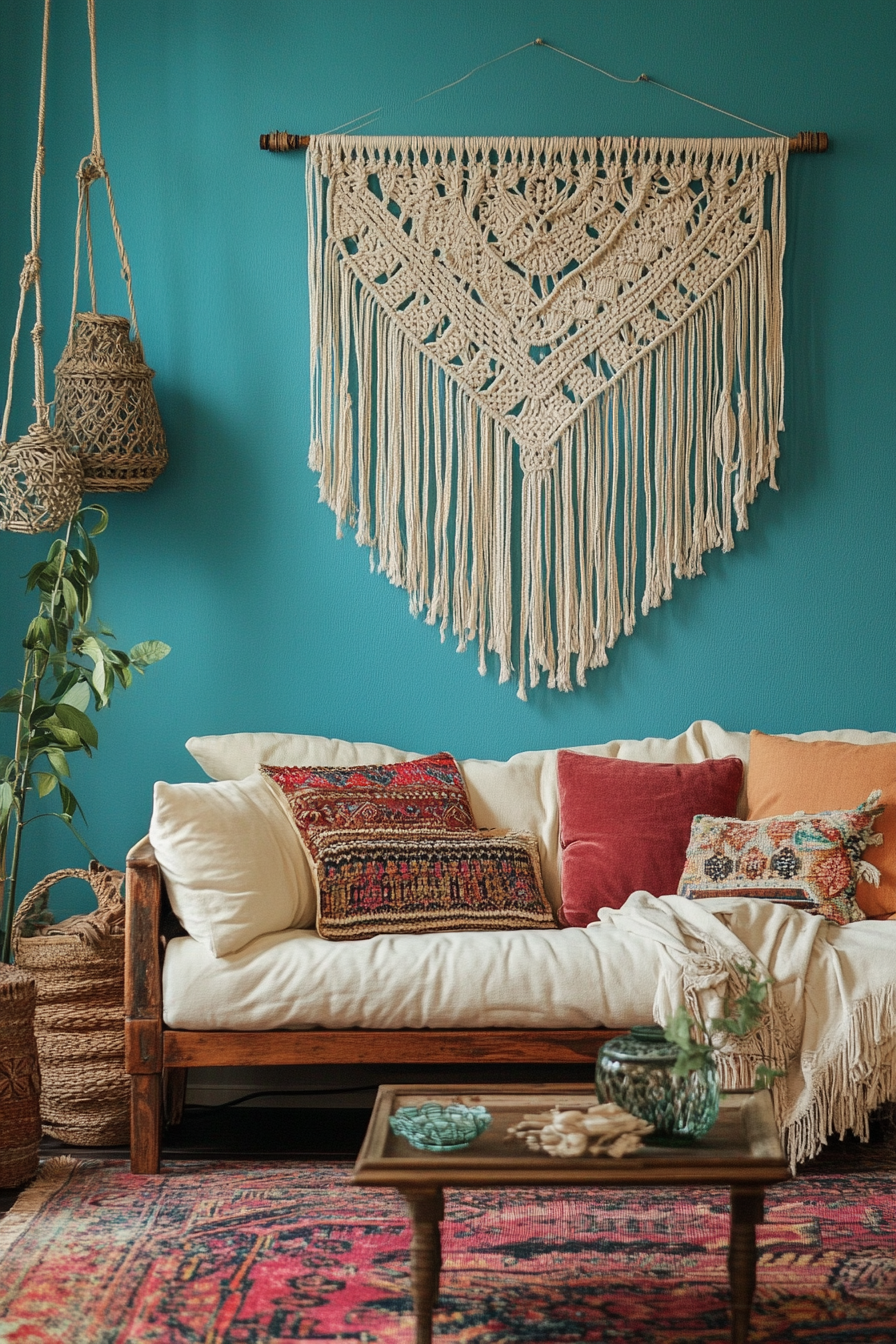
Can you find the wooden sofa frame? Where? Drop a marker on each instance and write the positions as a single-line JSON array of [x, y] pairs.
[[155, 1053]]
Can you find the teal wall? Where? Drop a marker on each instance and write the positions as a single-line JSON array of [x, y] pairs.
[[230, 558]]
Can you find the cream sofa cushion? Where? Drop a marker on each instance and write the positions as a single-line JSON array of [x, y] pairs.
[[531, 978], [232, 860]]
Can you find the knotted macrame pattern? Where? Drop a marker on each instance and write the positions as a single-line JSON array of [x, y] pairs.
[[609, 308]]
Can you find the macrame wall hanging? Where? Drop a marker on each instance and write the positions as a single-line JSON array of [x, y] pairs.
[[550, 368]]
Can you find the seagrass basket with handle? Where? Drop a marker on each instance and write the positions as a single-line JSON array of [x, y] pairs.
[[78, 967], [19, 1079]]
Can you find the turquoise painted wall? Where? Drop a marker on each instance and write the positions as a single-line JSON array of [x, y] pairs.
[[230, 558]]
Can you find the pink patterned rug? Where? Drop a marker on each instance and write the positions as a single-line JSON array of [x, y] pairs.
[[234, 1253]]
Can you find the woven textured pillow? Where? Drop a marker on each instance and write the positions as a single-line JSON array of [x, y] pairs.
[[809, 860], [426, 793], [423, 880]]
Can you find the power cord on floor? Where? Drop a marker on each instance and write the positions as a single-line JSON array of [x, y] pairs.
[[284, 1092]]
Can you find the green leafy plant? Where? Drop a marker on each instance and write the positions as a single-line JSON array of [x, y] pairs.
[[741, 1016], [68, 664]]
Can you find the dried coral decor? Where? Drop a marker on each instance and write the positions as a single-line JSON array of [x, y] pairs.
[[609, 310], [105, 405]]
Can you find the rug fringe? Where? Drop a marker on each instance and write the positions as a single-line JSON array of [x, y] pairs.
[[51, 1176]]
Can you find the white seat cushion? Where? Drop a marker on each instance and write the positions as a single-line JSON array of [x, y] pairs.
[[516, 978]]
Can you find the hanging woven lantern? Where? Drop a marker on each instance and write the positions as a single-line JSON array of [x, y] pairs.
[[40, 479], [105, 405], [40, 482]]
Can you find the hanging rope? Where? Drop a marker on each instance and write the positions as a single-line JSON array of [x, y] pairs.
[[92, 169], [30, 277], [105, 404], [40, 480]]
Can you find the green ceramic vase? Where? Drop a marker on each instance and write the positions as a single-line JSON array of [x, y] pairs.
[[635, 1071]]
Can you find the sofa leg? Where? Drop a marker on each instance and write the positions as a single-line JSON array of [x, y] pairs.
[[146, 1123], [174, 1091]]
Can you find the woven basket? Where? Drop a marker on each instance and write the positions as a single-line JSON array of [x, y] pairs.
[[19, 1078], [78, 966], [105, 405], [40, 482]]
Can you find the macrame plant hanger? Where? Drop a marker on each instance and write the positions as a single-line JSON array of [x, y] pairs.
[[105, 405], [40, 479]]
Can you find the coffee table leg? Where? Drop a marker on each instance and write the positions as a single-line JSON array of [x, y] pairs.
[[747, 1209], [427, 1208]]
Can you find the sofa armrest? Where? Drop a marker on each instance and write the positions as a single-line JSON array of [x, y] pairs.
[[143, 967]]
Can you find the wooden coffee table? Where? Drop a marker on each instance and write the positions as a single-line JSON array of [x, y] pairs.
[[742, 1150]]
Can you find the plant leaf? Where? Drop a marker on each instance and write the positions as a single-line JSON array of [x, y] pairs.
[[765, 1076], [57, 761], [45, 782], [101, 524], [6, 800], [70, 804], [78, 696], [35, 573], [98, 680], [70, 717], [9, 703], [150, 651], [67, 736], [66, 681], [69, 596], [38, 634]]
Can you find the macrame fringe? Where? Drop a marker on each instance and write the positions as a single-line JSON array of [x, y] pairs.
[[656, 471]]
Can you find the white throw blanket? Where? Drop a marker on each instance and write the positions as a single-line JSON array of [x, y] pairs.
[[830, 1022]]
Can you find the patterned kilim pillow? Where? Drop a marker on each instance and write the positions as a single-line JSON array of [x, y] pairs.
[[421, 880], [809, 860], [395, 849], [426, 793]]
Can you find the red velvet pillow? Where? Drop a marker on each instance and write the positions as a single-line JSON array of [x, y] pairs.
[[625, 825]]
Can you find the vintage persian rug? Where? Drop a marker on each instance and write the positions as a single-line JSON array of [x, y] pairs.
[[258, 1253], [547, 375]]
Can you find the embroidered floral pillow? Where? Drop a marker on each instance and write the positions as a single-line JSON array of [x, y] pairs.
[[429, 792], [809, 860]]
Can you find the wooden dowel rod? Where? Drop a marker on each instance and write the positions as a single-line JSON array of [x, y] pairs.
[[279, 142]]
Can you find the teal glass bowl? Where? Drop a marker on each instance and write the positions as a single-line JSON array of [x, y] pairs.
[[635, 1071], [440, 1129]]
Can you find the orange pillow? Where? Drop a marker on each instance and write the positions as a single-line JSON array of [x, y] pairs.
[[784, 776]]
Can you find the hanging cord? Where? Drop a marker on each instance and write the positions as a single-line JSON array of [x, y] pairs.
[[365, 119], [92, 168], [646, 79], [31, 270]]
